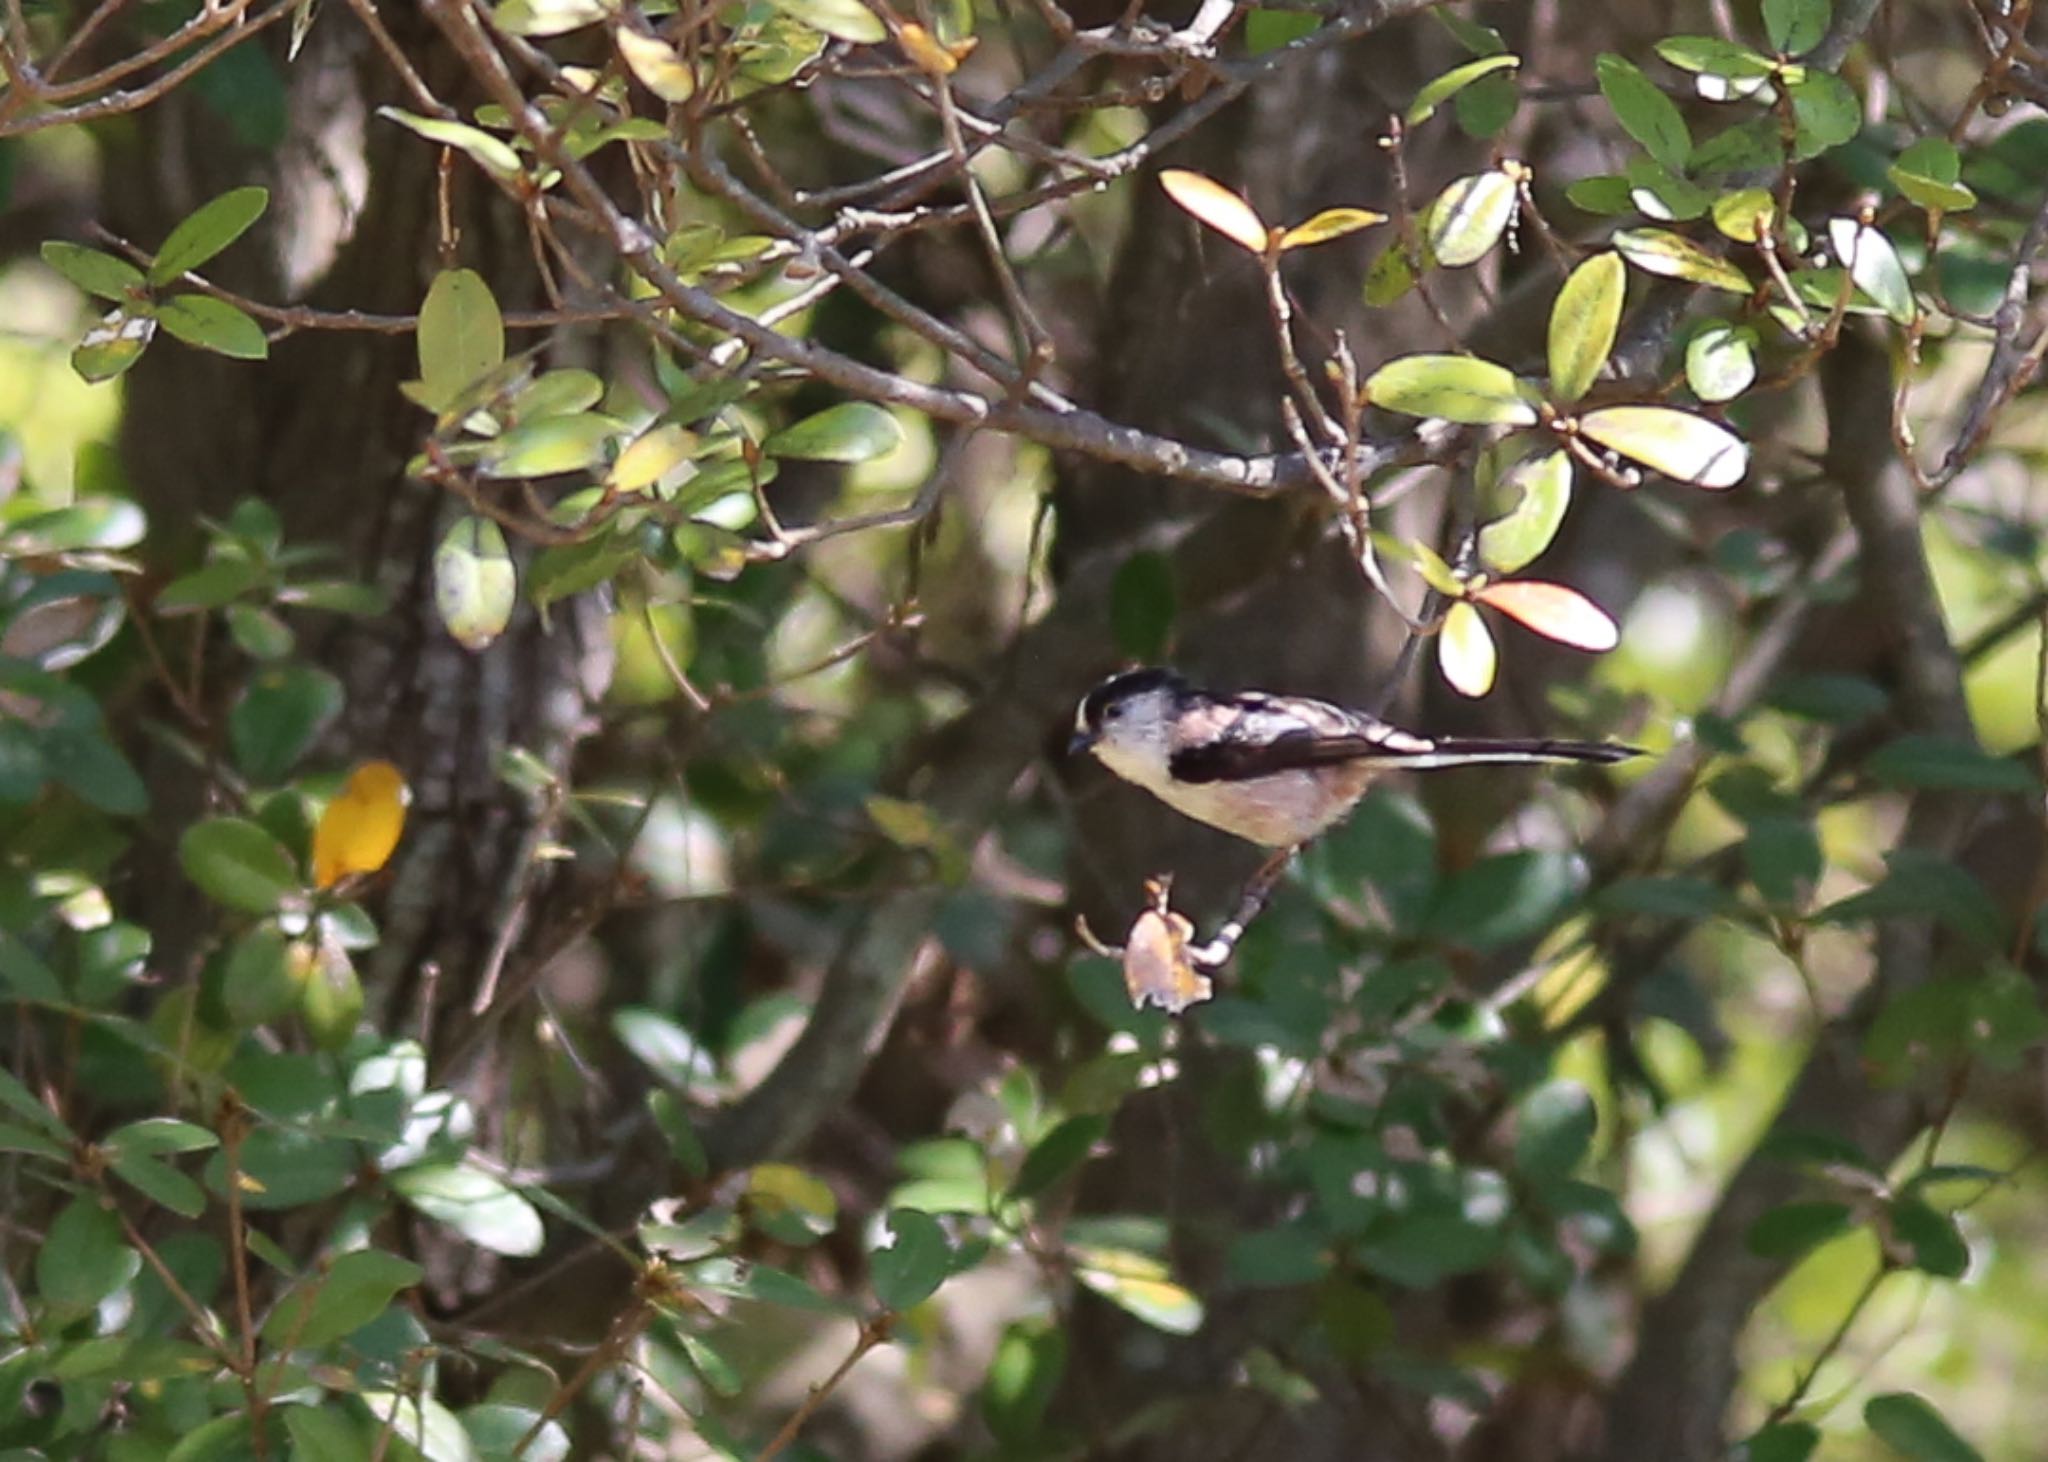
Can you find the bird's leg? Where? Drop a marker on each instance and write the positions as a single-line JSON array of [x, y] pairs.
[[1250, 903]]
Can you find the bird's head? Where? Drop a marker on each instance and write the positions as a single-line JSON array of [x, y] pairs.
[[1127, 721]]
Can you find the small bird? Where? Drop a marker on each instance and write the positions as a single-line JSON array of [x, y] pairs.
[[1275, 770]]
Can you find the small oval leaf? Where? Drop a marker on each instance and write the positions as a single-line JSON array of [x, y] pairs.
[[1874, 264], [474, 582], [1465, 653], [1720, 361], [1682, 446], [1453, 81], [360, 827], [853, 431], [1215, 205], [1331, 223], [461, 336], [206, 231], [1582, 324], [1554, 611], [1509, 544], [1659, 251], [1468, 218], [1458, 388], [237, 863]]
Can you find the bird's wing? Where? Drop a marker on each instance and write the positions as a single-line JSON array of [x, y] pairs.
[[1233, 738]]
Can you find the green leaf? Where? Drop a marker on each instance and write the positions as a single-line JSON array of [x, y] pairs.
[[1783, 855], [493, 154], [1663, 195], [353, 1290], [1453, 81], [1791, 1229], [562, 569], [89, 765], [238, 864], [1912, 1427], [206, 231], [1684, 447], [548, 17], [549, 445], [1928, 172], [1057, 1154], [1504, 898], [1659, 251], [475, 584], [844, 20], [114, 344], [1926, 1027], [656, 64], [423, 1423], [1269, 30], [1283, 1257], [324, 1432], [26, 972], [260, 633], [1949, 764], [1745, 214], [101, 523], [664, 1047], [1023, 1376], [215, 325], [84, 1256], [1724, 71], [1458, 388], [1670, 897], [1140, 1285], [1582, 325], [156, 1137], [1143, 605], [260, 983], [279, 717], [1747, 147], [1554, 1128], [461, 336], [1874, 265], [2006, 1020], [97, 273], [1467, 219], [1794, 27], [853, 431], [161, 1184], [1931, 1237], [218, 583], [651, 456], [1465, 651], [502, 1430], [475, 1204], [1785, 1441], [1486, 106], [911, 1269], [1509, 544], [1645, 113], [1825, 113], [1606, 194], [1720, 360], [790, 1205]]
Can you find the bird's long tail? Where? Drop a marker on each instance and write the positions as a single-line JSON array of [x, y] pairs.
[[1465, 751]]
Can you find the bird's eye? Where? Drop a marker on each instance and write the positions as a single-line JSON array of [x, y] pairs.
[[1110, 713]]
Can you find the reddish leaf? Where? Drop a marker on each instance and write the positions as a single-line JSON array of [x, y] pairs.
[[1554, 611]]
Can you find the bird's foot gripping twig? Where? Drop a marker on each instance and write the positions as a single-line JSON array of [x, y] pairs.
[[1160, 966]]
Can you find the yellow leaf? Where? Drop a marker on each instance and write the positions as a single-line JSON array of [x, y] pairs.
[[1464, 651], [1218, 207], [362, 825], [1331, 223], [925, 53]]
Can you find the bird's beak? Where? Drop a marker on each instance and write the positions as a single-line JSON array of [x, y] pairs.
[[1079, 742]]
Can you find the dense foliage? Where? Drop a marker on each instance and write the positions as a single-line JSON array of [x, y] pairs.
[[547, 554]]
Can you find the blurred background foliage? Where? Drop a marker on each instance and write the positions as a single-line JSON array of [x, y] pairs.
[[537, 878]]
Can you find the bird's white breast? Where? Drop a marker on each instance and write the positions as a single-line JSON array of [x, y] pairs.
[[1275, 811]]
